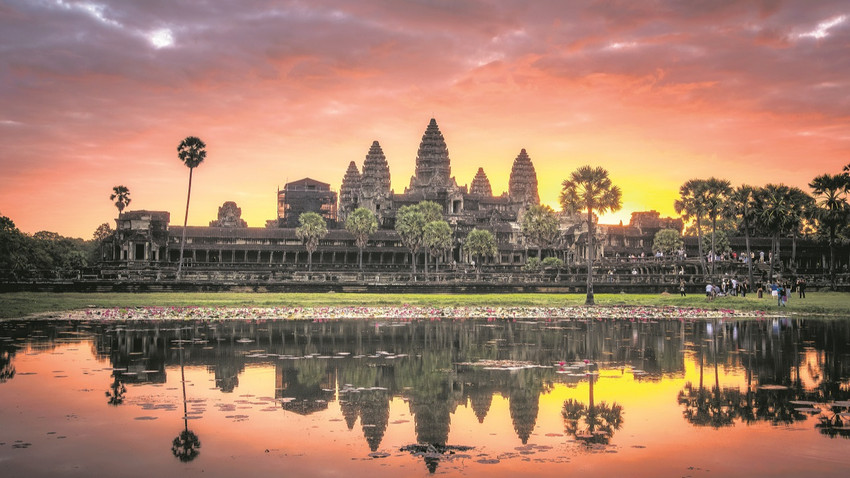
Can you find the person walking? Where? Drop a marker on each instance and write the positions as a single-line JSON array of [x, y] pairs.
[[801, 287], [682, 287]]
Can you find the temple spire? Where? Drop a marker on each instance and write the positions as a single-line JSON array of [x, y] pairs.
[[522, 186]]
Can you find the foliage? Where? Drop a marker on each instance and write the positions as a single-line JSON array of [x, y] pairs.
[[480, 243], [540, 226], [590, 189], [121, 196], [410, 225], [692, 206], [552, 263], [437, 237], [532, 264], [192, 152], [721, 243], [102, 233], [832, 213], [44, 252], [668, 241], [361, 224], [312, 228]]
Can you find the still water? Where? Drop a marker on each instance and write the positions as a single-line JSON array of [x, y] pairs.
[[468, 397]]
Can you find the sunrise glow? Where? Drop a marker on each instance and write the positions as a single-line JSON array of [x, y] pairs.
[[99, 93]]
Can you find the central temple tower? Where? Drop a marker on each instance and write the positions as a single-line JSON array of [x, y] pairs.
[[433, 167]]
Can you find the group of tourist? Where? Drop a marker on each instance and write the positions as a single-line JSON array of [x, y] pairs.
[[734, 287]]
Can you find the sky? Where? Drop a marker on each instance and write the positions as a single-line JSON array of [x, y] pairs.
[[99, 93]]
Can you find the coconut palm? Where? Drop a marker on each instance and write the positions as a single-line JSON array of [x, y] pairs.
[[590, 189], [121, 196], [692, 206], [717, 192], [741, 206], [311, 230], [540, 226], [831, 192], [192, 152], [361, 224]]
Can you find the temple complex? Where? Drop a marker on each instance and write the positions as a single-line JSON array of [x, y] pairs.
[[144, 237]]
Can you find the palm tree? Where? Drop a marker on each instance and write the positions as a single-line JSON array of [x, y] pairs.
[[741, 205], [431, 212], [773, 207], [437, 236], [540, 226], [191, 151], [409, 225], [692, 205], [801, 211], [312, 229], [361, 224], [717, 192], [831, 192], [480, 243], [121, 196], [590, 189]]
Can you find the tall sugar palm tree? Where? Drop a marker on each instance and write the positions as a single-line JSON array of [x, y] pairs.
[[831, 192], [742, 202], [717, 192], [801, 210], [192, 152], [361, 224], [121, 196], [692, 205], [773, 206], [311, 230], [590, 189]]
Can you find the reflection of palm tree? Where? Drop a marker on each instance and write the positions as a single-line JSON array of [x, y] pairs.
[[7, 367], [593, 423], [185, 446], [832, 424], [704, 408], [116, 392]]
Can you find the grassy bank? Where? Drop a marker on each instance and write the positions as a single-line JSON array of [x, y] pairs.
[[21, 304]]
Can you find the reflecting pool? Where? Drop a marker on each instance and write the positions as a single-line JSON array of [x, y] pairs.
[[470, 397]]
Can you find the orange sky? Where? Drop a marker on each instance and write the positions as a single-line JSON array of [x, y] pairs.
[[99, 93]]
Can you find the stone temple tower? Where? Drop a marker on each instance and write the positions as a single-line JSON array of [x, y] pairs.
[[481, 185], [375, 193], [349, 192], [522, 186], [433, 167]]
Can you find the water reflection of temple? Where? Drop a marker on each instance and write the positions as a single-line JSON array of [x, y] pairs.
[[365, 364]]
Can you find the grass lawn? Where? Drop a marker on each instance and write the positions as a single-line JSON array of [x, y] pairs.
[[22, 304]]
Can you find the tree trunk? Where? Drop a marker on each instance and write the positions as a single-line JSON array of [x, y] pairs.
[[713, 253], [427, 260], [185, 221], [832, 259], [793, 264], [360, 258], [699, 247], [749, 256], [590, 233], [309, 261]]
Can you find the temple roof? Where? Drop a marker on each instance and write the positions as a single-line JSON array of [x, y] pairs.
[[433, 166], [480, 184], [522, 185], [376, 171]]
